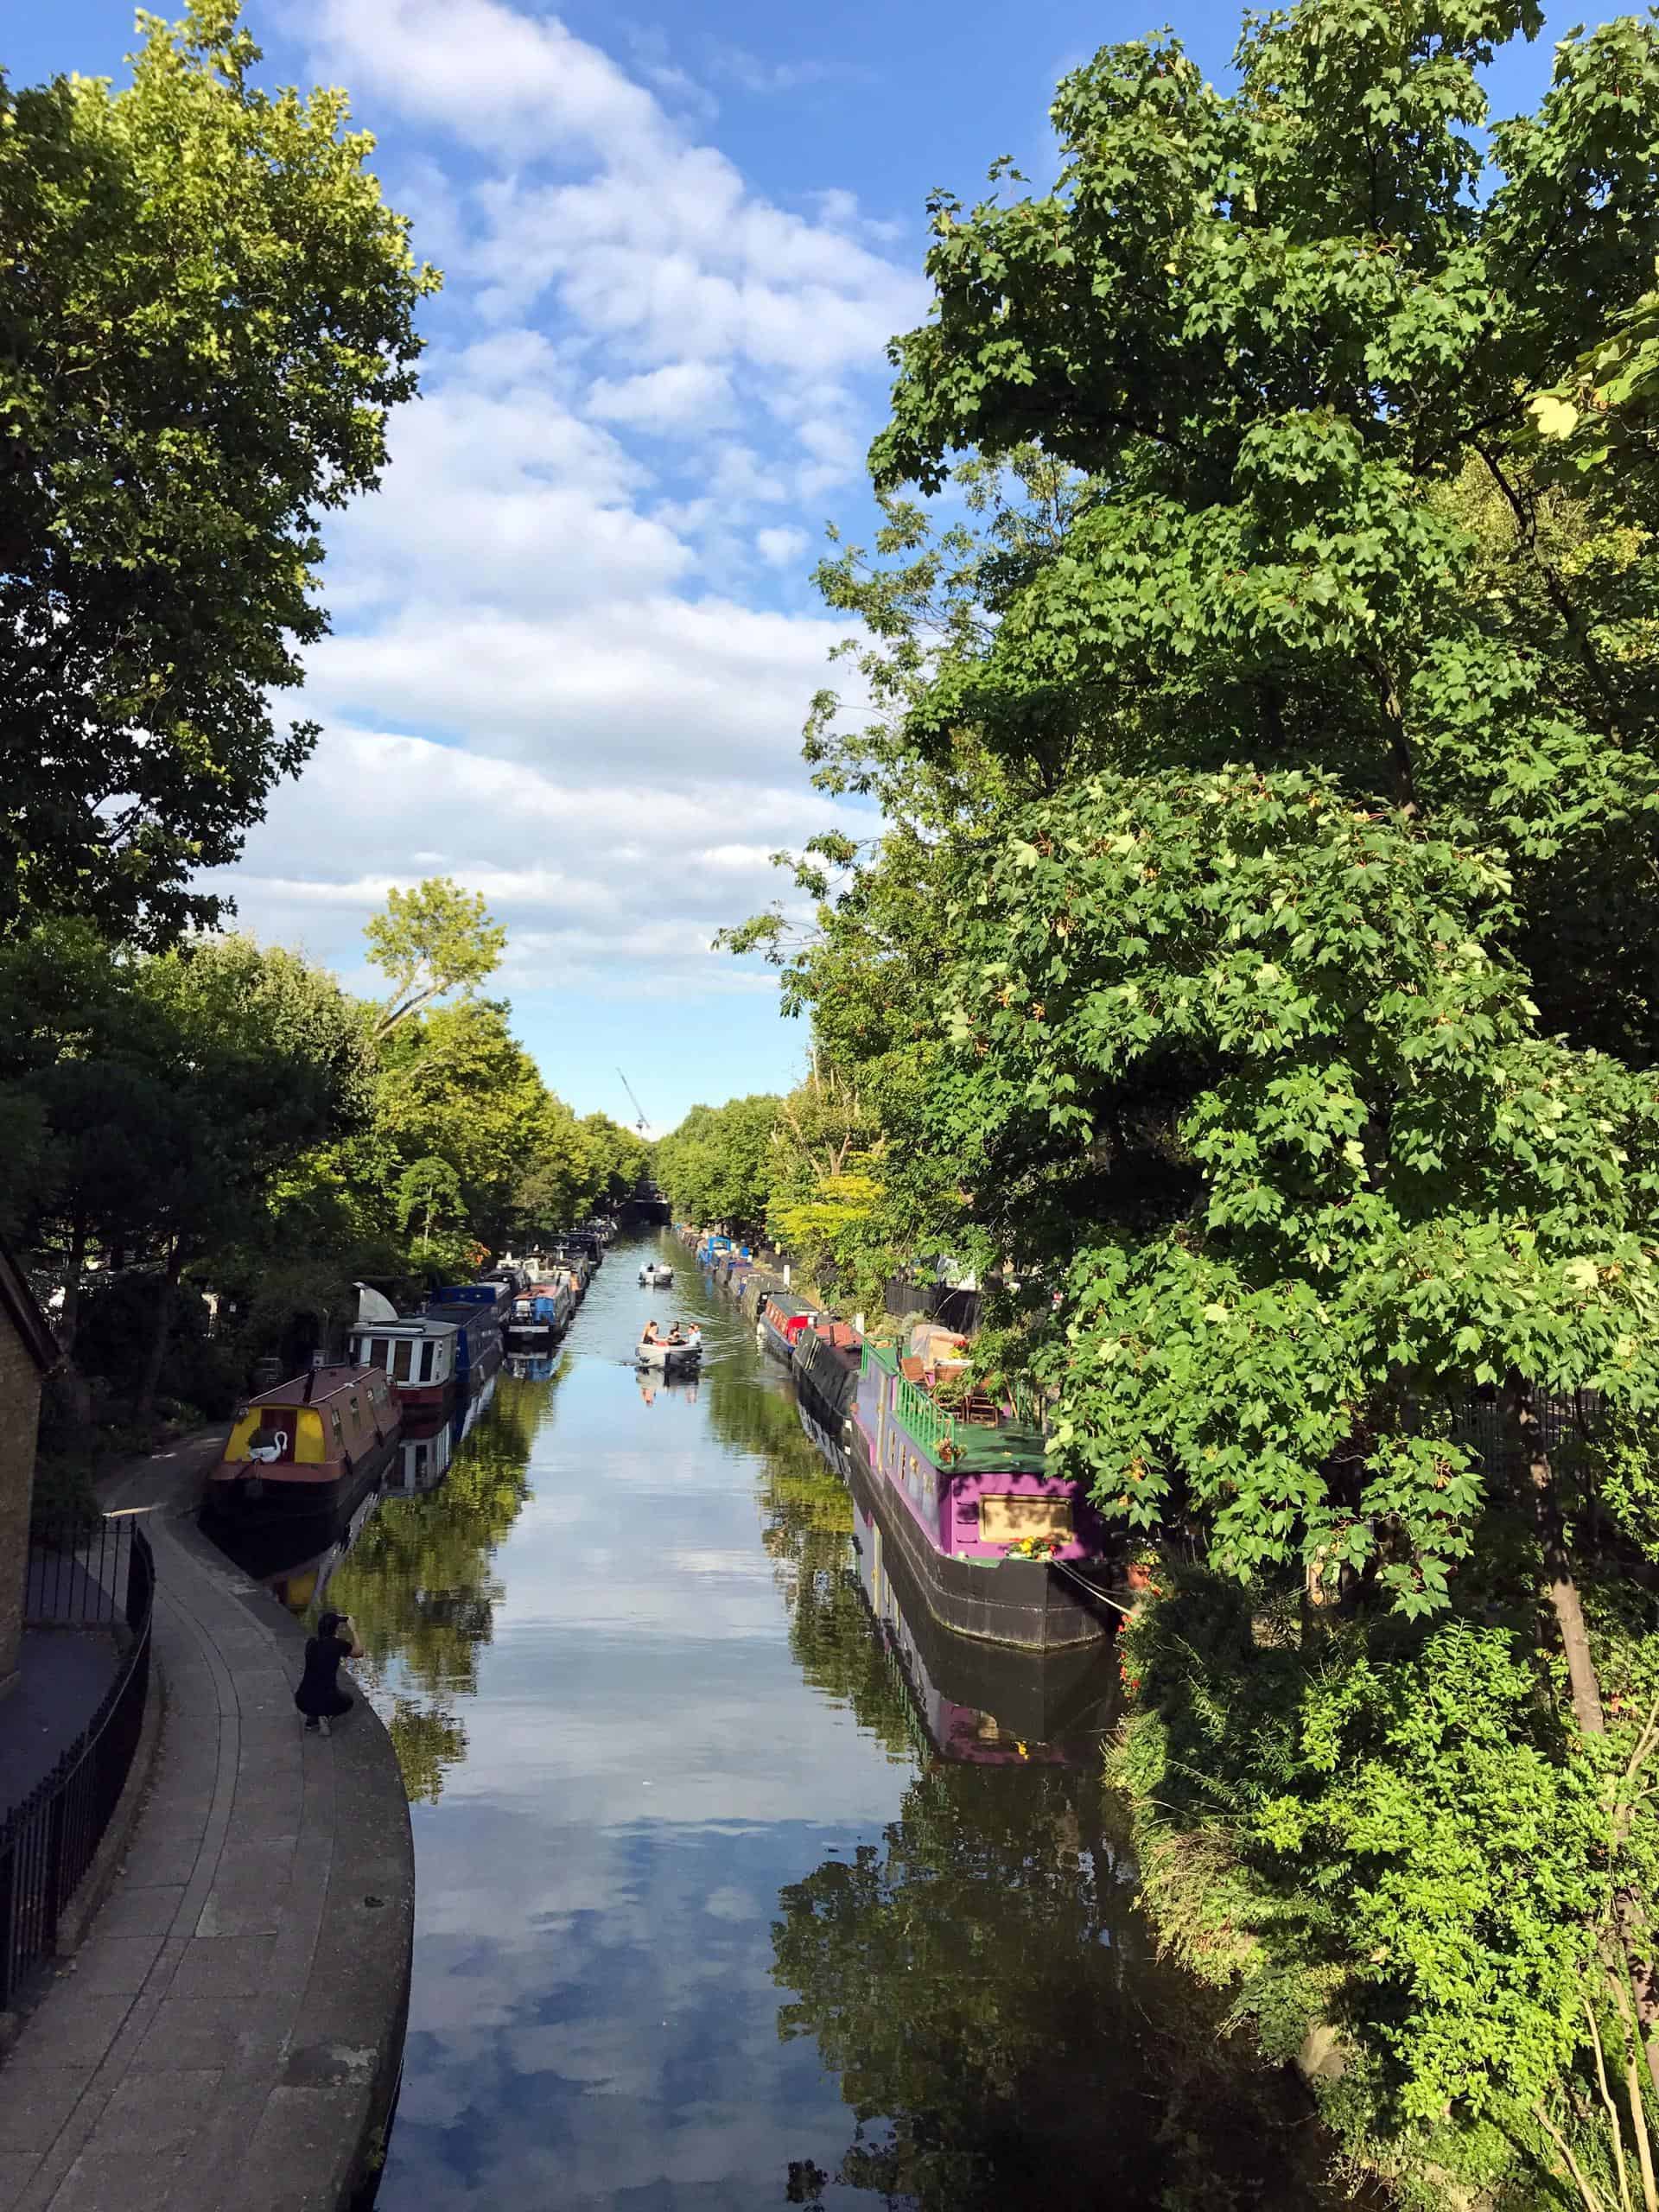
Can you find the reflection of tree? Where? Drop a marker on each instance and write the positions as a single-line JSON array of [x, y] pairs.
[[418, 1588], [426, 1743], [1002, 2036]]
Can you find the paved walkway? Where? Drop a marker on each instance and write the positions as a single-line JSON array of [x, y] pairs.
[[229, 2034]]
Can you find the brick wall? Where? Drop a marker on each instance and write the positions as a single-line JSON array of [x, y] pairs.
[[20, 1404]]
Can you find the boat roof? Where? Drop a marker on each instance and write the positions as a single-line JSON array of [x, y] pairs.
[[325, 1382], [419, 1325]]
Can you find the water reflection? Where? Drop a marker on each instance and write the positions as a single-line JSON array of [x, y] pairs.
[[418, 1584], [735, 1884]]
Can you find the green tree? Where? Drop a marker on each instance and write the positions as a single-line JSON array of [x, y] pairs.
[[208, 315], [432, 940], [716, 1166]]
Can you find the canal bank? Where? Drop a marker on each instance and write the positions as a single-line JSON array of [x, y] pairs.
[[730, 1892], [228, 2034]]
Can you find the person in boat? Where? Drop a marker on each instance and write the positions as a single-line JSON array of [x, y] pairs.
[[693, 1337], [676, 1335], [648, 1334], [319, 1697]]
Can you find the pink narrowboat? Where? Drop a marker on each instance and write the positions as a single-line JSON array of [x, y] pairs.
[[1000, 1546]]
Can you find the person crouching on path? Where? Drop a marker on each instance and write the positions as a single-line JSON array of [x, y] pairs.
[[320, 1697]]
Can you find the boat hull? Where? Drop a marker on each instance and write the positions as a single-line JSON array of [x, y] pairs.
[[1024, 1603], [826, 1383], [671, 1359]]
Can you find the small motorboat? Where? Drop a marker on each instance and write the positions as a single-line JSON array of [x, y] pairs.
[[658, 1352], [655, 1276]]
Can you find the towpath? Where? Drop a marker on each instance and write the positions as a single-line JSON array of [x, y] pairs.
[[229, 2033]]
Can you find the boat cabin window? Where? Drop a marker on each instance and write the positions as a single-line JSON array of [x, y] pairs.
[[401, 1358], [1001, 1520], [357, 1411], [333, 1423], [427, 1351]]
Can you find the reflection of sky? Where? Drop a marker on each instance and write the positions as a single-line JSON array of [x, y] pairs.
[[595, 2021]]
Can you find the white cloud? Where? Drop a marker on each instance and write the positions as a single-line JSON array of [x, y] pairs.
[[647, 378], [620, 883], [680, 396], [784, 547]]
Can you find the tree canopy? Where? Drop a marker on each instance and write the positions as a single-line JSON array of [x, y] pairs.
[[208, 312]]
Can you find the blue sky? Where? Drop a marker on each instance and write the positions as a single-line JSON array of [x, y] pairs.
[[574, 636]]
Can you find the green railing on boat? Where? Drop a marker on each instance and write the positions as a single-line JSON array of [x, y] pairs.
[[912, 1408]]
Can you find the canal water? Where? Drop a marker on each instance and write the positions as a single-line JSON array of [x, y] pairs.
[[726, 1896]]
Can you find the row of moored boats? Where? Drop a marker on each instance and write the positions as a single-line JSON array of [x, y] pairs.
[[951, 1484], [317, 1443]]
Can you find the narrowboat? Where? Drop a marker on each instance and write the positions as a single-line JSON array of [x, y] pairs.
[[825, 1364], [954, 1495], [983, 1704], [311, 1447], [539, 1314], [417, 1355], [478, 1336], [778, 1323]]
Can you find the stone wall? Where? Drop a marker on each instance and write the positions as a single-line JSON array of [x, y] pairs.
[[20, 1403]]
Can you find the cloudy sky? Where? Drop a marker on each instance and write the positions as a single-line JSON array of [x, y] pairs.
[[574, 635]]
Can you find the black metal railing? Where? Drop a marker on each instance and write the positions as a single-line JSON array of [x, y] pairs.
[[48, 1841], [80, 1574]]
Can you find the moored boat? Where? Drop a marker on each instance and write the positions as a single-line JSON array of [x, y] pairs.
[[778, 1323], [825, 1363], [983, 1704], [1001, 1548], [313, 1445], [539, 1314], [478, 1334], [417, 1354]]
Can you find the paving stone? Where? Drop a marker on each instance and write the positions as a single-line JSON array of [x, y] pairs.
[[101, 2180], [226, 1966], [306, 2128], [72, 2029], [35, 2103], [222, 2032], [114, 1966], [158, 2111], [140, 1909], [16, 2171], [244, 1908]]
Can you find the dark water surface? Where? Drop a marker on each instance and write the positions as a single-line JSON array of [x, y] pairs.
[[706, 1917]]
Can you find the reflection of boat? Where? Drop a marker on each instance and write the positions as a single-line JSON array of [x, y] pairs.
[[532, 1366], [673, 1359], [424, 1459], [957, 1495], [984, 1703], [838, 1455], [310, 1448], [654, 1275]]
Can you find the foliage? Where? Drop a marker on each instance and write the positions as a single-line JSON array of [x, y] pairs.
[[432, 940], [223, 1108], [1389, 1831], [715, 1165], [208, 315]]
